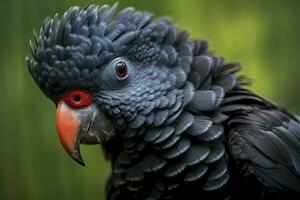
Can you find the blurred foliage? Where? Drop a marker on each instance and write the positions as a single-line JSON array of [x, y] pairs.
[[263, 35]]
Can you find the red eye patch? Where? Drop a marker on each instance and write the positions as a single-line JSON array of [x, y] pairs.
[[77, 98]]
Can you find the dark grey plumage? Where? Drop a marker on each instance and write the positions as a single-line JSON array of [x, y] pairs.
[[186, 128]]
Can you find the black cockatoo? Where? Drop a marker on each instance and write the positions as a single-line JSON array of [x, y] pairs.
[[173, 119]]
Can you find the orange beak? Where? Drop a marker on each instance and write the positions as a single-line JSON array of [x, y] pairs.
[[68, 129], [85, 125]]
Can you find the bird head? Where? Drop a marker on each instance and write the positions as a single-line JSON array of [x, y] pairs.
[[109, 73]]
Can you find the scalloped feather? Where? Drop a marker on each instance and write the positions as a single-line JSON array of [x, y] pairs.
[[200, 125], [178, 149], [213, 133], [196, 154], [183, 122], [196, 173]]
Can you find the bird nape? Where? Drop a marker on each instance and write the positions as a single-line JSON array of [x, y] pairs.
[[173, 119]]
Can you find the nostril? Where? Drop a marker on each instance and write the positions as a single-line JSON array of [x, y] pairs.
[[77, 98]]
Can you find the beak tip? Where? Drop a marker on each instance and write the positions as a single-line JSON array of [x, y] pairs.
[[80, 162], [77, 157]]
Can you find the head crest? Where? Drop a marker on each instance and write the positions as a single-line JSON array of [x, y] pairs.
[[70, 49]]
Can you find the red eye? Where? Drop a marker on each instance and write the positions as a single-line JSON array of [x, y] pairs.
[[121, 70], [77, 98]]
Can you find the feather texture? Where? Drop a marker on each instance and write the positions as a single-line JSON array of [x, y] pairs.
[[185, 127]]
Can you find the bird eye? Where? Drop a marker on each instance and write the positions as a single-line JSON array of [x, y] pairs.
[[121, 70], [77, 98]]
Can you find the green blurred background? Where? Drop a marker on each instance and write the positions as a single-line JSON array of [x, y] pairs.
[[263, 35]]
